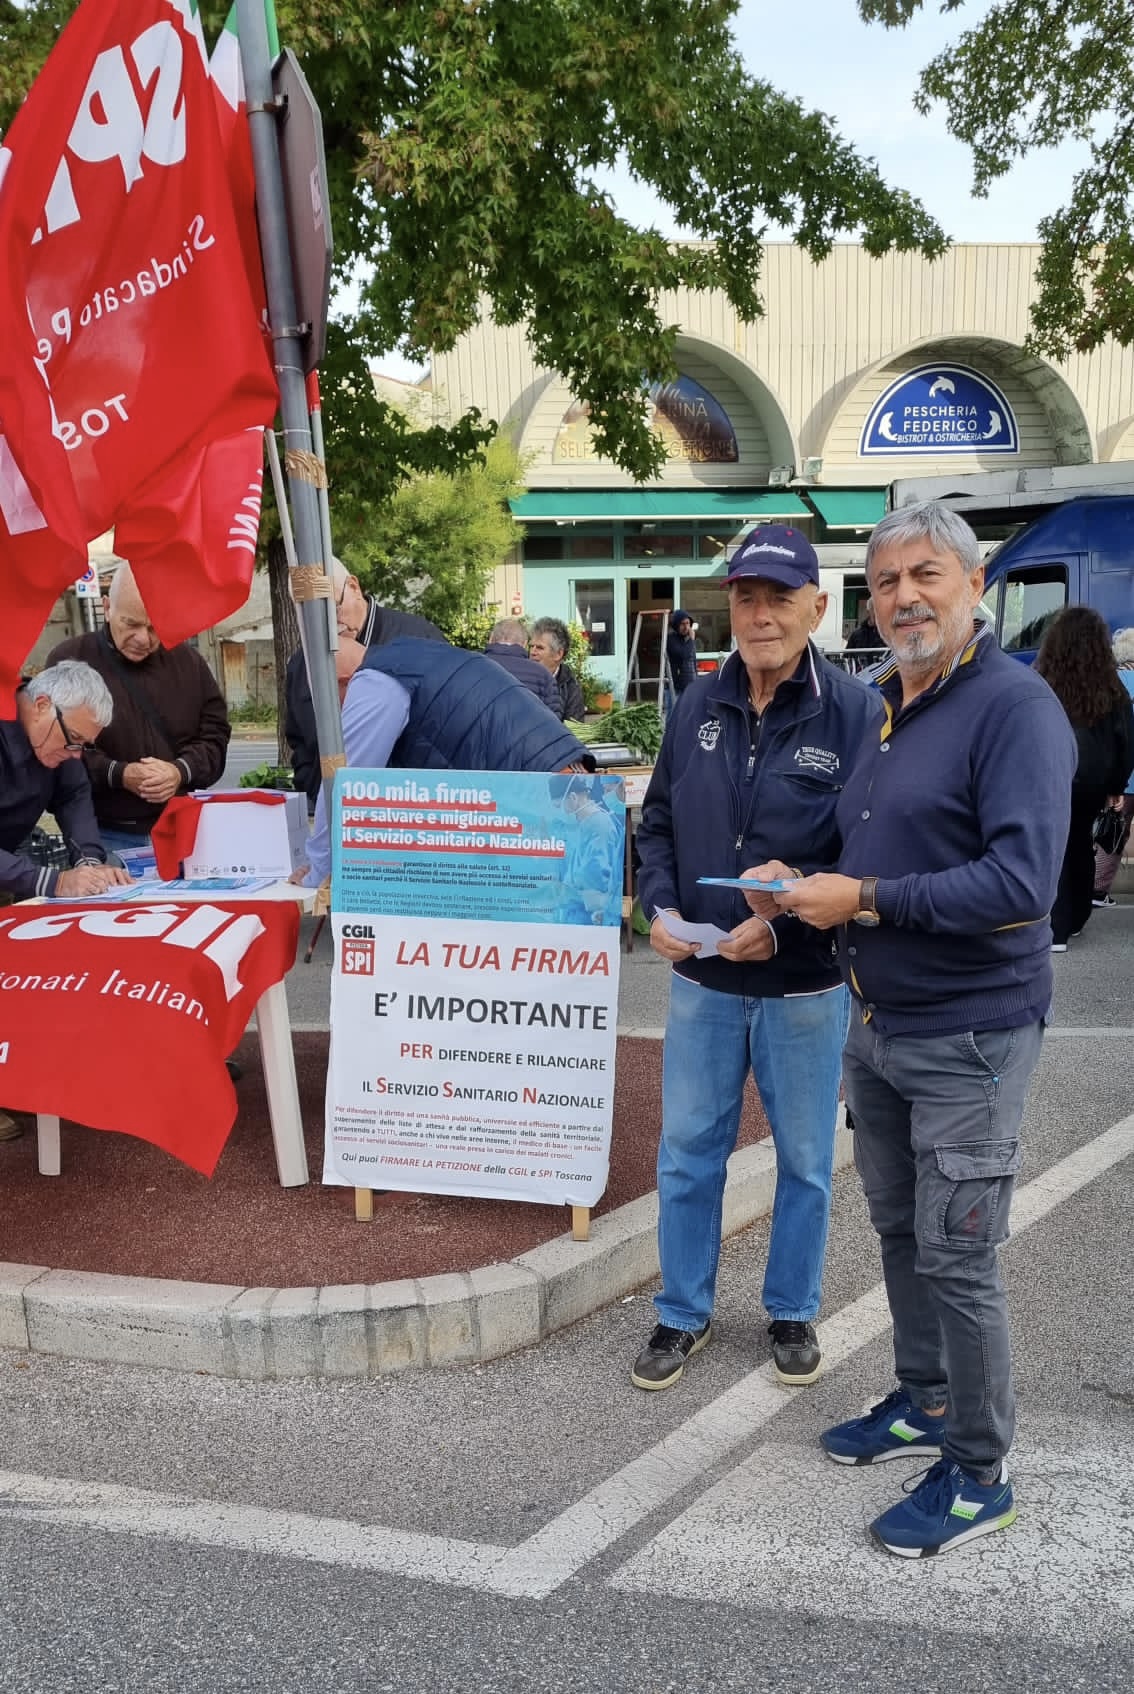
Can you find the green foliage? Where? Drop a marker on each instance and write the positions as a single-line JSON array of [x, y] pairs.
[[268, 776], [468, 629], [1030, 74], [463, 145], [253, 711], [637, 727], [437, 540]]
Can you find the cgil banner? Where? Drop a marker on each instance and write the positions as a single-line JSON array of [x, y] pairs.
[[474, 999], [121, 1017], [134, 375]]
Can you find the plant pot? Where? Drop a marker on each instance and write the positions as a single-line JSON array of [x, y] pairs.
[[603, 702]]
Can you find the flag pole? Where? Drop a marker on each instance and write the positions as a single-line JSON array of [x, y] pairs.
[[310, 578]]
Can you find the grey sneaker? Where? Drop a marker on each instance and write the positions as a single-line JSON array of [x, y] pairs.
[[662, 1359], [795, 1352], [10, 1130]]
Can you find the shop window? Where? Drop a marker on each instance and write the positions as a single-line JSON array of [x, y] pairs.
[[656, 544], [543, 547], [592, 547], [1030, 599], [594, 609]]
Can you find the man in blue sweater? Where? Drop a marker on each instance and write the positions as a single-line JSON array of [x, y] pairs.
[[953, 823], [752, 763]]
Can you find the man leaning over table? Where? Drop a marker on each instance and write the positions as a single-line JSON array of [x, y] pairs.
[[752, 762], [416, 704], [953, 822], [58, 715]]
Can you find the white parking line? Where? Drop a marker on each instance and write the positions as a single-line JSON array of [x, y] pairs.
[[535, 1567]]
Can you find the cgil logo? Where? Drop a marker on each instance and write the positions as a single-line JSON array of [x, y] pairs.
[[228, 937], [110, 123]]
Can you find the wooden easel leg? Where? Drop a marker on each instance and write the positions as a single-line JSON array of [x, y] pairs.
[[364, 1205], [580, 1223]]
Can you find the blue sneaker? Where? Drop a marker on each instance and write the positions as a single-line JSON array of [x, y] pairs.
[[893, 1429], [946, 1508]]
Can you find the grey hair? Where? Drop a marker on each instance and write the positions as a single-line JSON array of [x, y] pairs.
[[511, 631], [337, 572], [71, 683], [556, 628], [1122, 646], [945, 530]]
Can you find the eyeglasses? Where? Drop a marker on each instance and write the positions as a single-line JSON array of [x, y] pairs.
[[73, 743]]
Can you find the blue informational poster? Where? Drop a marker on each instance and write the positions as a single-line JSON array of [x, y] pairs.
[[516, 846], [474, 1002]]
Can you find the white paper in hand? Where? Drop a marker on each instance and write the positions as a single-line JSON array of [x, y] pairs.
[[706, 935]]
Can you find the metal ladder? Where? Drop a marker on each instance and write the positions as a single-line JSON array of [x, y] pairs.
[[634, 678]]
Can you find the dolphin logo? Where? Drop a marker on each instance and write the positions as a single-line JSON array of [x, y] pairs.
[[942, 385], [994, 426], [886, 427]]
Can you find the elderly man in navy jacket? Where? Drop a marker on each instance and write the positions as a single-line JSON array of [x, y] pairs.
[[953, 821], [751, 767]]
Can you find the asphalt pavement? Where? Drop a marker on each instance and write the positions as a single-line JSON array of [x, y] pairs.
[[536, 1520]]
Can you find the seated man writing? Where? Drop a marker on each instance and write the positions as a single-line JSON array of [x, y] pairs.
[[58, 715]]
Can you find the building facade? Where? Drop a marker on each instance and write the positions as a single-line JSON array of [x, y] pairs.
[[861, 371]]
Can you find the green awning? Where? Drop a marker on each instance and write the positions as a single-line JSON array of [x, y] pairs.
[[848, 508], [657, 505]]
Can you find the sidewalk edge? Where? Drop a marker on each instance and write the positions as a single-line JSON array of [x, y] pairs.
[[361, 1330]]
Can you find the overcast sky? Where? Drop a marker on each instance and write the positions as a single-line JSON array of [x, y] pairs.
[[864, 77]]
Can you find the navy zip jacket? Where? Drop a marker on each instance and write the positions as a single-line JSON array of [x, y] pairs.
[[731, 790], [27, 790], [468, 714], [959, 805]]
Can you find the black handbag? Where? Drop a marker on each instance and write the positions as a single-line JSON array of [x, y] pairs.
[[1109, 829]]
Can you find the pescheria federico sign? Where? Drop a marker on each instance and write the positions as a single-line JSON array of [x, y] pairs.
[[939, 409]]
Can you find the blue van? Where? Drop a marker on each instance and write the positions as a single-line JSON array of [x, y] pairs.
[[1075, 546], [1078, 554]]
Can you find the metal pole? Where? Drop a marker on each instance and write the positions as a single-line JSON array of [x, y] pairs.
[[315, 409], [308, 588]]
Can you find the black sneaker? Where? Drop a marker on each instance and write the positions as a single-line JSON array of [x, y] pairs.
[[795, 1352], [1103, 900], [662, 1359]]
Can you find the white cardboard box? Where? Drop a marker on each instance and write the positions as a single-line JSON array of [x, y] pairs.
[[249, 840]]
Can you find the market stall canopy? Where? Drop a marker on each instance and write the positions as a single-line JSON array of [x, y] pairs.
[[848, 508], [658, 505]]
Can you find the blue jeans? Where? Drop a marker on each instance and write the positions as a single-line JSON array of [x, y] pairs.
[[794, 1047], [937, 1144]]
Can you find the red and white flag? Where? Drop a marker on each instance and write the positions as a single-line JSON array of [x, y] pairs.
[[134, 375]]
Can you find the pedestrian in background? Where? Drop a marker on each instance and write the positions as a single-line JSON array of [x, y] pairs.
[[1076, 661], [549, 646], [681, 651], [1106, 864], [508, 647]]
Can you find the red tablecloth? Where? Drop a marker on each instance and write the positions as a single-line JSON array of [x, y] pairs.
[[121, 1016]]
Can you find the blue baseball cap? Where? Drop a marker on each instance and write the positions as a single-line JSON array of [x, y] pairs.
[[778, 553]]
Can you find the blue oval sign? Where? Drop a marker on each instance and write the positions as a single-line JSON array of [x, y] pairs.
[[939, 409]]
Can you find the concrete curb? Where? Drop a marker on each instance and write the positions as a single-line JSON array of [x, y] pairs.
[[360, 1330]]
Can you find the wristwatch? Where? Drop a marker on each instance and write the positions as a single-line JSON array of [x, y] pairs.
[[867, 913]]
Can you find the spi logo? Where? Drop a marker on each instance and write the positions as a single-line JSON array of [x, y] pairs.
[[356, 957]]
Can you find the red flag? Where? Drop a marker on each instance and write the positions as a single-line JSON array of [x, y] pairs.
[[133, 363]]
